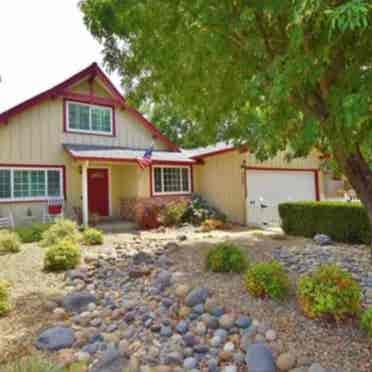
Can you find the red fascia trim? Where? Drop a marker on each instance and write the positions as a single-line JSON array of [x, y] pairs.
[[314, 170], [91, 99], [91, 70], [64, 118], [50, 93], [63, 167], [152, 128]]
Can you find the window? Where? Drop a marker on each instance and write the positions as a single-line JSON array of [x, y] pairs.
[[89, 118], [30, 184], [171, 180]]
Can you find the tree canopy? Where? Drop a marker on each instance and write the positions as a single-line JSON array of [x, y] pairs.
[[275, 74]]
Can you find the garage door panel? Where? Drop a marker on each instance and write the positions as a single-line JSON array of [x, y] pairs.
[[275, 187]]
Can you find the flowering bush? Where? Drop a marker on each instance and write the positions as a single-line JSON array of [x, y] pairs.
[[148, 217], [329, 292], [199, 210]]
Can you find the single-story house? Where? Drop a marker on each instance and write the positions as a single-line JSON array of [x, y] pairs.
[[80, 140]]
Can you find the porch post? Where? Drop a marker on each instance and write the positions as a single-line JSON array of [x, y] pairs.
[[84, 189]]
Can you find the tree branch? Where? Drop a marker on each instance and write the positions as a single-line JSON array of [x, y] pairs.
[[261, 26]]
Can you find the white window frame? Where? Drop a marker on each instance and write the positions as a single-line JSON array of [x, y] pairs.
[[34, 198], [89, 131], [156, 193]]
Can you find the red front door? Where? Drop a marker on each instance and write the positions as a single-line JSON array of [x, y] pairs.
[[98, 191]]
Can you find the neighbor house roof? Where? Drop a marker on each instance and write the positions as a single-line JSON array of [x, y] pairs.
[[108, 153], [201, 152], [91, 71]]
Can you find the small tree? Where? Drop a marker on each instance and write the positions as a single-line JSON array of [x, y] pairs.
[[279, 75]]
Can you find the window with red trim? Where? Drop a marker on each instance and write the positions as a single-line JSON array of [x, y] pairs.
[[86, 118], [30, 183]]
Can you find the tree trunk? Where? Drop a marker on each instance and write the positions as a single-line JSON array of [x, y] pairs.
[[359, 175]]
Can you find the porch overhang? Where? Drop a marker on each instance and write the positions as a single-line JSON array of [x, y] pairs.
[[124, 155]]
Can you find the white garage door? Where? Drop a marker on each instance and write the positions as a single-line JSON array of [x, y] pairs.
[[267, 188]]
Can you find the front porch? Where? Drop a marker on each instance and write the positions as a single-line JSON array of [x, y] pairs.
[[110, 177]]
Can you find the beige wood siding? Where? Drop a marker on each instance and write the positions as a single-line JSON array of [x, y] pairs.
[[35, 137], [221, 179]]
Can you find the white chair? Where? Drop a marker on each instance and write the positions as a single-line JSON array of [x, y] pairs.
[[54, 209], [7, 222]]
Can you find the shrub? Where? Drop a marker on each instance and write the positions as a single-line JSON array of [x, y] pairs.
[[267, 279], [92, 237], [63, 255], [62, 229], [226, 257], [366, 321], [198, 210], [31, 364], [329, 292], [9, 242], [342, 221], [211, 224], [33, 233], [4, 297], [147, 217], [173, 212]]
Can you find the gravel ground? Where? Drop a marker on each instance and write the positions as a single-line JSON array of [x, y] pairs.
[[342, 346], [31, 289]]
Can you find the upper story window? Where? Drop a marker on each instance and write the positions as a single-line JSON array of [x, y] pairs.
[[171, 180], [85, 118], [23, 184]]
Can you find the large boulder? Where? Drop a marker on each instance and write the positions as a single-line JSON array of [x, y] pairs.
[[78, 301], [55, 338], [260, 359], [196, 296]]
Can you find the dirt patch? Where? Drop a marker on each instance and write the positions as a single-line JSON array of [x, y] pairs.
[[31, 291]]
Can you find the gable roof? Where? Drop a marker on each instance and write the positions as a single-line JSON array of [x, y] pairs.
[[201, 152], [92, 70]]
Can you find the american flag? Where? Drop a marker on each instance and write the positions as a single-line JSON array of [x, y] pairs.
[[145, 161]]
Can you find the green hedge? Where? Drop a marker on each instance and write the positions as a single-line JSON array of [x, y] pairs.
[[342, 221]]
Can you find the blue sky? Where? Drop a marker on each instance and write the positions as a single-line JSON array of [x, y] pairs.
[[42, 43]]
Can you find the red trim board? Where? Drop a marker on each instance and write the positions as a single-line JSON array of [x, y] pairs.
[[92, 71]]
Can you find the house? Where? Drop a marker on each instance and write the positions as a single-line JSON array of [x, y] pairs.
[[80, 141]]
